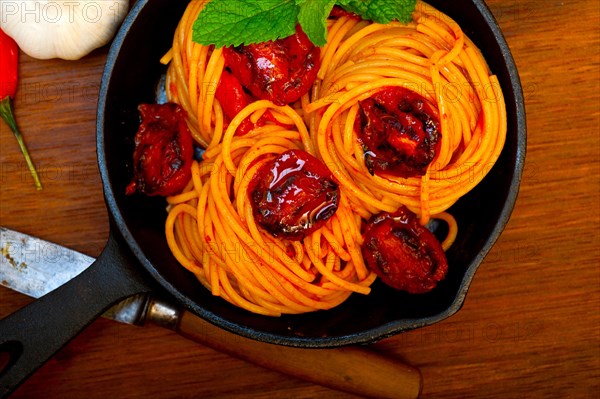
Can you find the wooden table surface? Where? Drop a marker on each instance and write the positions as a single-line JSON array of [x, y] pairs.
[[530, 326]]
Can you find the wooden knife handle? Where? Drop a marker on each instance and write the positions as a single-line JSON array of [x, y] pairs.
[[350, 369]]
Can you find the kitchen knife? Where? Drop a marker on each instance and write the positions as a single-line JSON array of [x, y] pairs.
[[35, 267]]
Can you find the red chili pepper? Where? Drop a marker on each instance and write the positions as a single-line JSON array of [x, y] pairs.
[[9, 58]]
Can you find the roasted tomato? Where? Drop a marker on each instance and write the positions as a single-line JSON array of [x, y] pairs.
[[399, 132], [162, 158], [404, 254], [338, 12], [293, 195], [233, 99], [281, 70]]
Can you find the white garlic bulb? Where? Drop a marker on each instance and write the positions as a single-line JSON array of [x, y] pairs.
[[67, 29]]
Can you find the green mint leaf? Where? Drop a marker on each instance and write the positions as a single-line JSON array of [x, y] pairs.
[[313, 19], [235, 22], [381, 11]]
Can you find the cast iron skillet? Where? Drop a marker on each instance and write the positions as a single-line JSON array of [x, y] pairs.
[[137, 259]]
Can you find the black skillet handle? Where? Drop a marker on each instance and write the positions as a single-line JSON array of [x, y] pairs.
[[33, 334]]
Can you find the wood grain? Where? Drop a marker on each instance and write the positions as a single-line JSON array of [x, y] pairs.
[[530, 326]]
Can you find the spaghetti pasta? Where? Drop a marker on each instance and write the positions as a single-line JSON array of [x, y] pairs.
[[192, 78], [211, 228], [212, 232], [431, 57]]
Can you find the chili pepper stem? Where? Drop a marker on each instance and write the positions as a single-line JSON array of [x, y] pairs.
[[7, 114]]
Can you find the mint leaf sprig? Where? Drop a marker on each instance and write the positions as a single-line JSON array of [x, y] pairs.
[[235, 22]]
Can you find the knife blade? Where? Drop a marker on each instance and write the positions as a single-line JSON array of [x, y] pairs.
[[34, 267]]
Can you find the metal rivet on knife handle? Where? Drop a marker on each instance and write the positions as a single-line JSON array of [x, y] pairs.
[[163, 314]]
